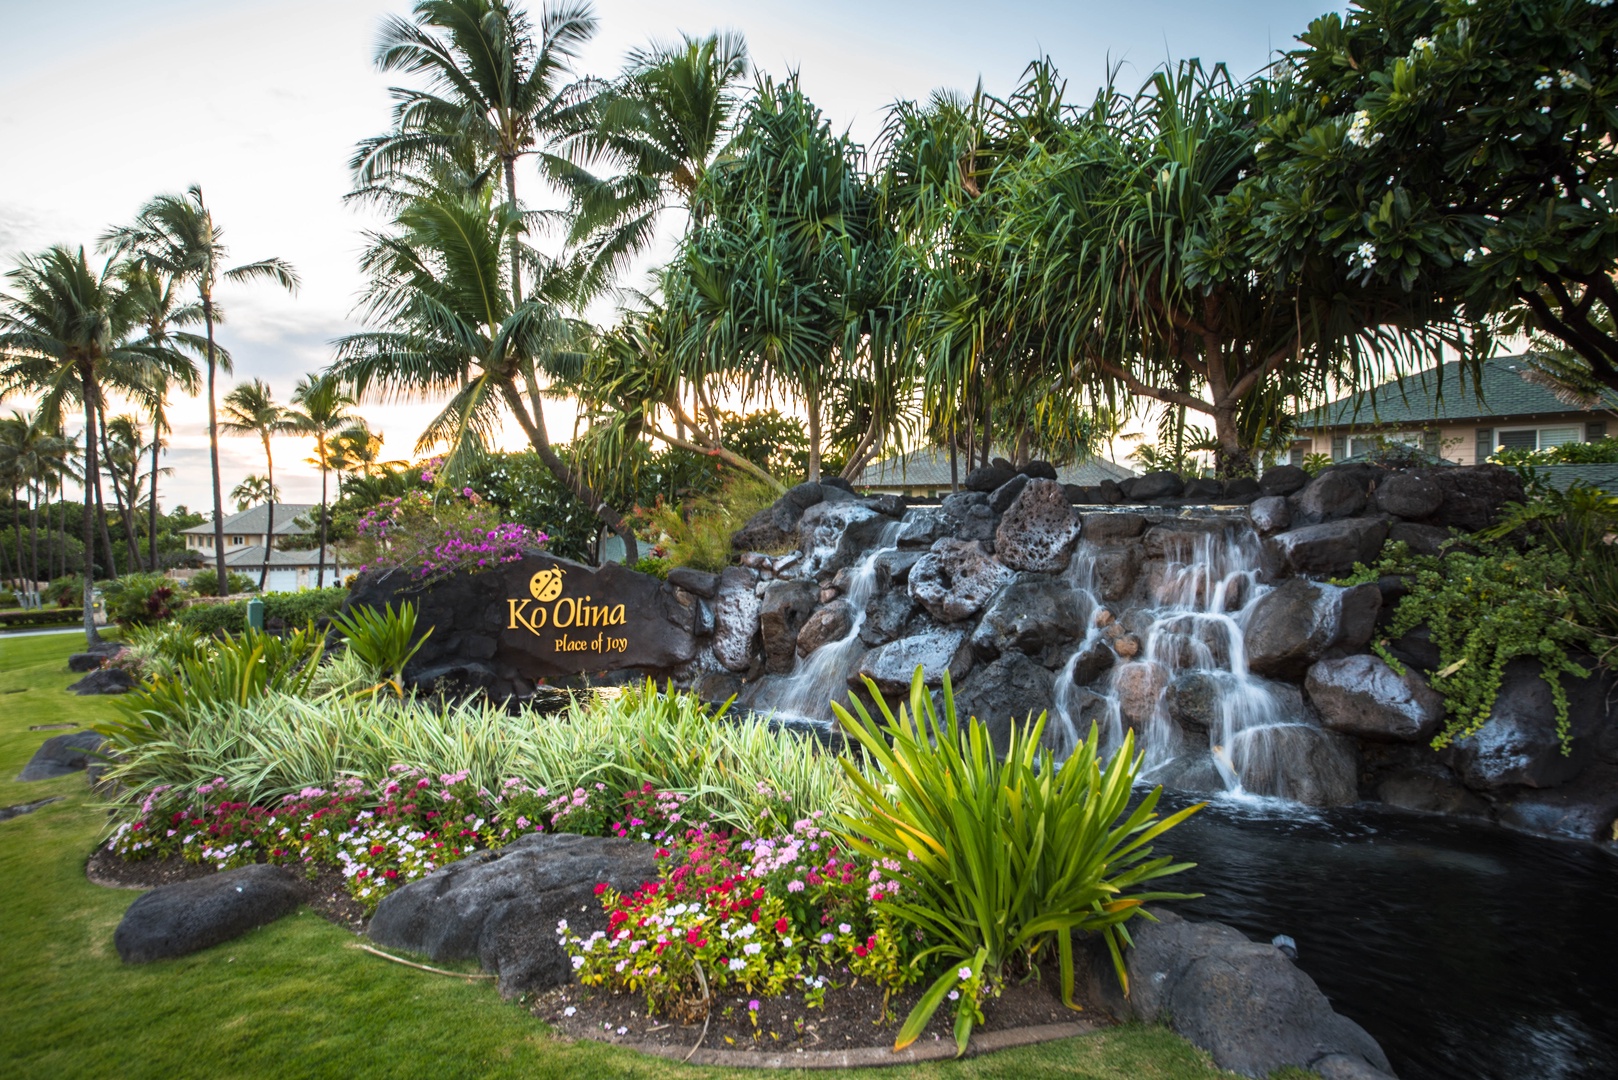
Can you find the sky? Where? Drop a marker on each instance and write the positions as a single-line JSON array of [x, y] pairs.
[[105, 103]]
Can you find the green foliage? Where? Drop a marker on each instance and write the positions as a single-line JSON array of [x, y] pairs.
[[697, 533], [164, 648], [1315, 464], [1597, 452], [654, 566], [41, 617], [206, 582], [998, 859], [8, 599], [65, 590], [215, 618], [140, 599], [383, 640], [304, 606], [1485, 608]]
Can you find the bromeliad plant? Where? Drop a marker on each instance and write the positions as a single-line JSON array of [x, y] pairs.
[[995, 859]]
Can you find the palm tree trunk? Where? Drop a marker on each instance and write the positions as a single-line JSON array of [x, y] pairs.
[[213, 456], [269, 528], [151, 511], [516, 235], [91, 467], [101, 509], [125, 507], [320, 571], [33, 535]]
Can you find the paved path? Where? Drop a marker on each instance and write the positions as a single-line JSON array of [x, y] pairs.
[[38, 633]]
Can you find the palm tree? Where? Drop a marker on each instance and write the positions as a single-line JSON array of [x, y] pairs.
[[175, 235], [253, 490], [322, 410], [122, 446], [63, 336], [251, 409], [490, 85]]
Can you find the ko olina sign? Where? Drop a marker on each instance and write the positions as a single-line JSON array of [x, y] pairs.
[[574, 624]]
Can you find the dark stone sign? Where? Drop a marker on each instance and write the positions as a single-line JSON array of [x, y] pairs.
[[503, 630]]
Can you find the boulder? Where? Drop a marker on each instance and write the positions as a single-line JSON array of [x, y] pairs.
[[1242, 489], [1243, 1001], [922, 528], [1297, 761], [935, 650], [1415, 648], [457, 679], [1335, 493], [1586, 809], [503, 906], [1192, 701], [1039, 470], [783, 609], [174, 920], [1109, 492], [1101, 527], [970, 516], [1039, 529], [1002, 497], [830, 623], [1155, 485], [955, 579], [1429, 789], [889, 506], [1013, 688], [1409, 495], [1421, 539], [837, 534], [1137, 686], [1292, 625], [828, 483], [1091, 662], [763, 533], [699, 582], [717, 686], [1078, 494], [1114, 571], [105, 681], [804, 495], [1269, 515], [986, 478], [1331, 548], [736, 618], [1518, 745], [1031, 614], [63, 754], [893, 568], [886, 616], [1361, 695], [1282, 480], [1203, 488], [1473, 494]]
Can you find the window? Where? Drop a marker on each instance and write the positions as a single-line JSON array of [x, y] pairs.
[[237, 541], [1370, 444], [1538, 438]]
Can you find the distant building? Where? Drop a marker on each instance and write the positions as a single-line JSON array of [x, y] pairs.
[[925, 473], [1509, 407], [245, 539]]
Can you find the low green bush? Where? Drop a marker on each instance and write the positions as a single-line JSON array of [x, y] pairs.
[[12, 620], [141, 599], [1595, 452], [206, 582], [998, 859], [8, 598], [654, 566], [215, 618], [162, 648], [383, 640], [66, 590], [304, 606], [697, 533]]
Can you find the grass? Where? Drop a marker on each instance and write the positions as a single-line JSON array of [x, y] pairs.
[[291, 999]]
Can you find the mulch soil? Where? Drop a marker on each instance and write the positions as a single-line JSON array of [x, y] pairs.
[[852, 1016]]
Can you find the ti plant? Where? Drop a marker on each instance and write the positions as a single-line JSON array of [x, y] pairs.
[[998, 857], [383, 640]]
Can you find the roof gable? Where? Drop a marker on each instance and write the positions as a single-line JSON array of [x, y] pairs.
[[256, 518], [1448, 393]]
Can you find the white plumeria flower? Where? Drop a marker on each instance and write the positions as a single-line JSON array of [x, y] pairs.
[[1542, 83], [1420, 44], [1568, 80], [1471, 254]]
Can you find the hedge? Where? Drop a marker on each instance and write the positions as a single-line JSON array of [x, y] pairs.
[[40, 617]]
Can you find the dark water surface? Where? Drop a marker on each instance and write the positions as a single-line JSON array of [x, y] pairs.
[[1468, 951]]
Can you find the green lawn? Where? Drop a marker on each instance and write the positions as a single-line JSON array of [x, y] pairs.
[[291, 999]]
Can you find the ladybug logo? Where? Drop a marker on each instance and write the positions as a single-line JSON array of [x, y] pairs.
[[547, 584]]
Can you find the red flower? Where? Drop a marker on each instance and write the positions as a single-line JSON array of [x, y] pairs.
[[781, 926], [377, 849], [390, 874], [601, 888], [860, 950]]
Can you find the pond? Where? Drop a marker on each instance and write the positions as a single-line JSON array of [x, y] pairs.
[[1465, 949]]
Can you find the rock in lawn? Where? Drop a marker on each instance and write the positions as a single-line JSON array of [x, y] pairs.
[[178, 919]]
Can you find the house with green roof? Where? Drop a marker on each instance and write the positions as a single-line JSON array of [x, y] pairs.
[[1451, 415]]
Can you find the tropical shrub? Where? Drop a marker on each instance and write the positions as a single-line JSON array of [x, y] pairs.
[[8, 599], [215, 618], [434, 538], [66, 590], [656, 567], [1315, 464], [697, 533], [383, 640], [1595, 452], [206, 582], [41, 617], [141, 599], [162, 649], [997, 860], [304, 606]]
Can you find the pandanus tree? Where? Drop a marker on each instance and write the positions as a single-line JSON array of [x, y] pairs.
[[439, 291], [320, 408], [251, 409], [65, 333], [175, 237]]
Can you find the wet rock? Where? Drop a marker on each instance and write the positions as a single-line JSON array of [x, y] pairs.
[[174, 920], [1154, 485], [1409, 495], [970, 515], [1203, 488], [1115, 570], [1282, 480], [892, 506], [804, 495], [1269, 515], [1109, 492], [1335, 493], [736, 618], [1192, 769], [1094, 660], [1297, 761], [893, 568], [886, 616], [1430, 789], [1415, 649], [503, 906], [1012, 689], [1421, 539], [936, 651], [63, 754], [1243, 1001], [717, 686], [955, 579], [827, 483], [1361, 695], [1002, 497], [761, 533], [1031, 614], [783, 609], [829, 623], [1332, 548], [1137, 687], [1518, 744], [986, 478], [1039, 470], [1586, 809], [699, 582], [1192, 701], [105, 681], [1039, 530], [1473, 494], [922, 528], [837, 534], [1292, 625], [1099, 528]]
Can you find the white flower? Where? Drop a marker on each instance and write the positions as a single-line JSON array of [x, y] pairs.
[[1365, 255], [953, 994], [1421, 44], [1252, 281], [786, 943], [752, 948], [1471, 253], [737, 965], [1360, 133], [965, 973], [569, 1011], [1568, 80], [1542, 83], [561, 926], [844, 928], [623, 1031]]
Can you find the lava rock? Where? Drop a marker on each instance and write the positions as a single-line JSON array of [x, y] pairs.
[[1093, 661], [1115, 570], [699, 582], [455, 679], [891, 506], [1192, 701], [804, 495], [736, 618], [1243, 1001], [1039, 529], [1297, 761], [63, 754], [1039, 470], [1155, 485], [1012, 689], [1242, 489], [955, 579], [830, 623], [1335, 493], [1002, 497], [827, 483], [1102, 527], [503, 906], [1033, 613], [1271, 514], [174, 920], [886, 616], [923, 528], [783, 609], [986, 478], [1409, 495], [1282, 480], [105, 681], [1586, 809], [837, 534], [1430, 789], [1078, 495], [1292, 625], [1203, 488], [1109, 492], [762, 533], [893, 568], [1473, 494], [1137, 686], [935, 651], [1518, 744], [970, 515], [1361, 695], [1416, 649], [1421, 539], [1331, 548], [717, 686]]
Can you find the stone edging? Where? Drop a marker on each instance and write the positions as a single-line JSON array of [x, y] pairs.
[[864, 1057]]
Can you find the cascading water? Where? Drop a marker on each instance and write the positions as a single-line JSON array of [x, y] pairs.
[[822, 676]]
